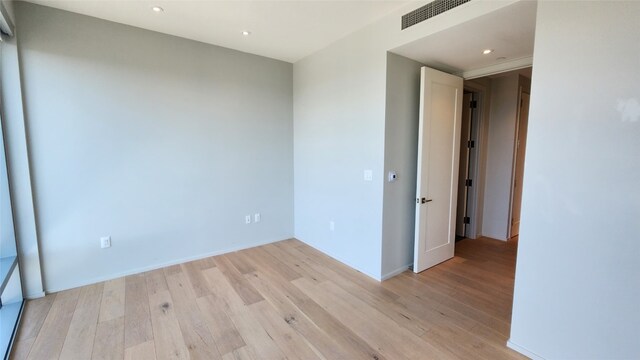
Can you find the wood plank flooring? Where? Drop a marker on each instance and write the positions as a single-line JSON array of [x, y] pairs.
[[283, 300]]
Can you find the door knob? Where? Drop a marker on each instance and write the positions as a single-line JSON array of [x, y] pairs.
[[423, 200]]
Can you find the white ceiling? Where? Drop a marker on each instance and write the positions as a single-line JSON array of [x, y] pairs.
[[285, 30], [509, 32]]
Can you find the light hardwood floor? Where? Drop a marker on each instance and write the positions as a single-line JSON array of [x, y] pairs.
[[283, 300]]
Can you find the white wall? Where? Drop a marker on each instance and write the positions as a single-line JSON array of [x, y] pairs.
[[338, 134], [163, 143], [339, 131], [400, 155], [499, 150], [578, 277]]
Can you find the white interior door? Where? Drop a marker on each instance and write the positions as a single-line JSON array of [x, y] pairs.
[[438, 160]]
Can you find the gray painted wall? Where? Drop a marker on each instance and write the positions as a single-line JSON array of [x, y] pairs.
[[578, 276], [163, 143], [499, 148], [401, 155]]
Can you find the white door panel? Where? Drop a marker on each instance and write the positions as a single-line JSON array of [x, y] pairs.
[[438, 160]]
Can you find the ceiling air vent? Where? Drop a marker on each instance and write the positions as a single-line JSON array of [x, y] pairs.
[[428, 11]]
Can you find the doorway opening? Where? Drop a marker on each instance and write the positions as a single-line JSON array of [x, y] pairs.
[[476, 193], [480, 52], [494, 43], [483, 123], [492, 152], [470, 164]]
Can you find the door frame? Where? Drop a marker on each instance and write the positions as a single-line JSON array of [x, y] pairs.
[[475, 200], [465, 169], [521, 89]]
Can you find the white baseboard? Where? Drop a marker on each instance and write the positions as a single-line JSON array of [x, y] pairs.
[[34, 295], [395, 272], [162, 265], [523, 351], [492, 237]]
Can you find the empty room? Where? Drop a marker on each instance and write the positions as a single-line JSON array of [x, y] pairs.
[[445, 179]]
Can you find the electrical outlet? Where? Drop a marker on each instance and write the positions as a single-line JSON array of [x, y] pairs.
[[256, 217], [332, 225], [105, 242], [368, 175], [247, 219], [393, 176]]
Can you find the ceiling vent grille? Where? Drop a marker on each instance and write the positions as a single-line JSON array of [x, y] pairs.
[[428, 11]]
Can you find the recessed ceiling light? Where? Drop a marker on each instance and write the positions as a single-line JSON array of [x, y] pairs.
[[487, 51], [246, 33], [157, 9]]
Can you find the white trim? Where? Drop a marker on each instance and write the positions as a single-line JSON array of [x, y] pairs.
[[516, 64], [162, 265], [395, 272], [35, 295], [523, 351]]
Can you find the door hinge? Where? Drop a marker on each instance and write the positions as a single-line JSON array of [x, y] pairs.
[[468, 182], [471, 144], [473, 104], [466, 220]]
